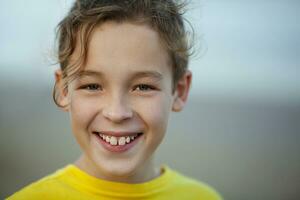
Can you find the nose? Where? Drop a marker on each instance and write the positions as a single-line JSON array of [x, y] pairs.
[[117, 110]]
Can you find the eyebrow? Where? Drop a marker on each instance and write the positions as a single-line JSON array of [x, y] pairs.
[[90, 73], [150, 74], [136, 75]]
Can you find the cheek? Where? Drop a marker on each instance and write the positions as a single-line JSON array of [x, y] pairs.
[[81, 113], [155, 113]]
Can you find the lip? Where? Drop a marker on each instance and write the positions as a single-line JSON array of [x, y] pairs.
[[117, 133], [116, 148]]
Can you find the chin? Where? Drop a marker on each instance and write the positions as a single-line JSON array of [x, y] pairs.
[[115, 169]]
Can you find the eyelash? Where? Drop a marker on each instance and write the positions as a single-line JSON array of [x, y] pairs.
[[149, 87], [88, 86], [142, 87]]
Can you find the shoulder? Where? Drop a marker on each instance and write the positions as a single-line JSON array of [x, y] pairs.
[[40, 189], [195, 188]]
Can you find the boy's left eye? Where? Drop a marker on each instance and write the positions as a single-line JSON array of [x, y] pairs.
[[144, 87]]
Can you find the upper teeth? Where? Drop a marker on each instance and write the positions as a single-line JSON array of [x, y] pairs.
[[117, 140]]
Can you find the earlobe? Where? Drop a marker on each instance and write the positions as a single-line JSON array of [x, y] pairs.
[[182, 89], [178, 105], [61, 94]]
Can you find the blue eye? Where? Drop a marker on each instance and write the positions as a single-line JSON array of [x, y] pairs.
[[91, 87]]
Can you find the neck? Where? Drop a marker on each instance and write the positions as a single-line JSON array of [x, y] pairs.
[[146, 172]]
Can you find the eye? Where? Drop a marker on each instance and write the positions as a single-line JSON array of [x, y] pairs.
[[92, 87], [144, 87]]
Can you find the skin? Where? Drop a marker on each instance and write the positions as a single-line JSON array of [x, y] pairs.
[[129, 89]]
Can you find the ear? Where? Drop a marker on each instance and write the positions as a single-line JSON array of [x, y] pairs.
[[62, 92], [181, 92]]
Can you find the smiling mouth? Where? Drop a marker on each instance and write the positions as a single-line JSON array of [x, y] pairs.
[[117, 141]]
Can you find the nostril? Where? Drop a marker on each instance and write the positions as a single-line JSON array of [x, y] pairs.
[[117, 113]]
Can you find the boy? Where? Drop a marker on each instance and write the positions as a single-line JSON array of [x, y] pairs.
[[123, 68]]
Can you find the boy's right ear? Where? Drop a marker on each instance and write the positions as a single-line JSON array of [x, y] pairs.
[[61, 92]]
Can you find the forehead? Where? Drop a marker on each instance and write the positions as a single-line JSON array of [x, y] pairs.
[[126, 47]]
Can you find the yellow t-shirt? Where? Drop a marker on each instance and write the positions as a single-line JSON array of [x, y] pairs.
[[71, 182]]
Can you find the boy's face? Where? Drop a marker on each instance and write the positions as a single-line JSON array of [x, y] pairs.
[[126, 90]]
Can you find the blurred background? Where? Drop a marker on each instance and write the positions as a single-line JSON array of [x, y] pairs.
[[240, 131]]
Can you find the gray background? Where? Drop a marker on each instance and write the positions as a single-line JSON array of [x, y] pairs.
[[240, 131]]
